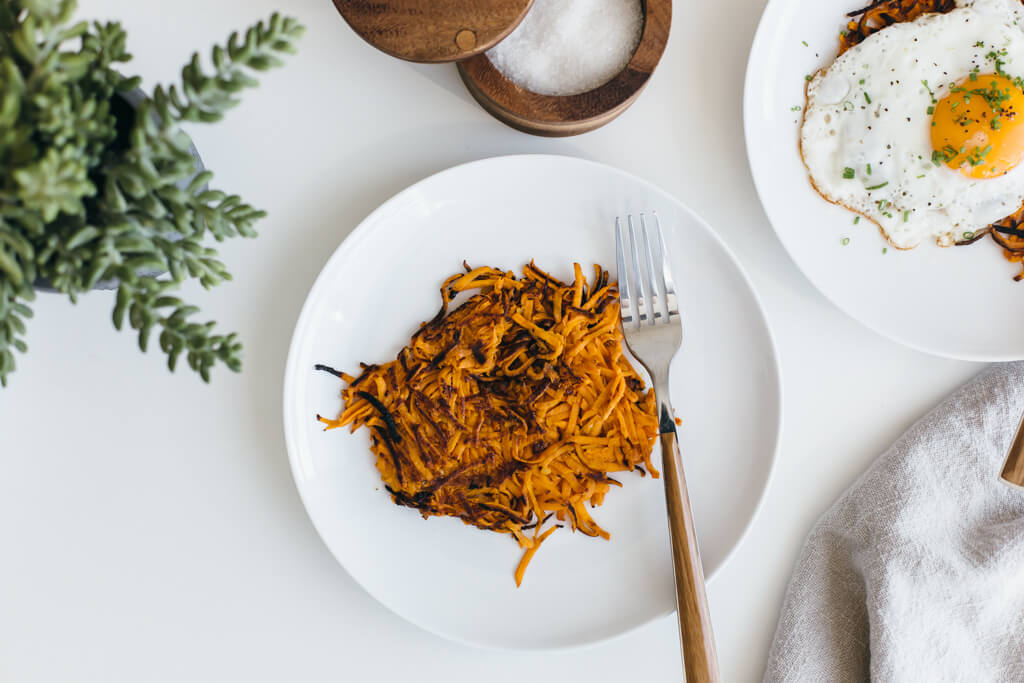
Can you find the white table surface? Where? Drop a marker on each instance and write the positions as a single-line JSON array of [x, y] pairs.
[[149, 526]]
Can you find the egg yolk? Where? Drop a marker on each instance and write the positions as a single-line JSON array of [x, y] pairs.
[[978, 128]]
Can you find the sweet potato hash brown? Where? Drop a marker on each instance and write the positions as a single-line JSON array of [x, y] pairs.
[[511, 411]]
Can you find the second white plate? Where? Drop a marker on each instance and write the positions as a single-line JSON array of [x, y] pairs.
[[959, 302], [453, 579]]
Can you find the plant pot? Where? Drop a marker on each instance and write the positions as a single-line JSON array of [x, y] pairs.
[[133, 98]]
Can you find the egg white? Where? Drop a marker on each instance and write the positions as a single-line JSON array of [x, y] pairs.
[[867, 111]]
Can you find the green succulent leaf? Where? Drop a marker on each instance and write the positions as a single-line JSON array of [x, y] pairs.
[[205, 98], [54, 184], [92, 189]]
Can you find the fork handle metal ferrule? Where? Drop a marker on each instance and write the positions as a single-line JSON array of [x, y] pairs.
[[696, 639]]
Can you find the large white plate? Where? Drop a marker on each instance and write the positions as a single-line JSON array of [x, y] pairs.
[[959, 302], [453, 579]]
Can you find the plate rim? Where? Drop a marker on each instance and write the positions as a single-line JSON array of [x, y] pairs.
[[757, 48], [356, 235]]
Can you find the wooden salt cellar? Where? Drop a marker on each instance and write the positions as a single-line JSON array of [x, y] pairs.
[[462, 30], [557, 116]]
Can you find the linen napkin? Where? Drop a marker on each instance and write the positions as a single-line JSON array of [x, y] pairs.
[[917, 572]]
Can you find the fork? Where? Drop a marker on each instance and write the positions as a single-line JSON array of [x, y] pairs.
[[654, 332]]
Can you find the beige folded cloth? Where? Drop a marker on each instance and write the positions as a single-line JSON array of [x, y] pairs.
[[917, 572]]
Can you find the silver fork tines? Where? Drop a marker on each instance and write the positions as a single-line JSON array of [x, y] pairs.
[[668, 285], [641, 298], [625, 297], [655, 301]]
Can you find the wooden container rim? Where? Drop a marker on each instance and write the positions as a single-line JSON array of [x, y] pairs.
[[562, 115], [436, 52]]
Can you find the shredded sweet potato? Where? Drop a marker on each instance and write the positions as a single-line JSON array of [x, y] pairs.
[[881, 13], [511, 411]]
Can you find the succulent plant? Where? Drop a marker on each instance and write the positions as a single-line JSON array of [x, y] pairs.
[[93, 189]]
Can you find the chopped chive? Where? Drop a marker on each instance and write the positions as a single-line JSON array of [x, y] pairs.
[[846, 240], [968, 234], [885, 250], [946, 154], [804, 42], [930, 93], [869, 169], [931, 110], [795, 107], [877, 187], [906, 214], [978, 155], [808, 77], [867, 98], [921, 176], [848, 173], [862, 81], [847, 106], [856, 220]]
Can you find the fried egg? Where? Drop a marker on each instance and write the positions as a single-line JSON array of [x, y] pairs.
[[920, 127]]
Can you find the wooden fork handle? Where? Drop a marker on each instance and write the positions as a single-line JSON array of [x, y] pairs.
[[698, 644], [1013, 468]]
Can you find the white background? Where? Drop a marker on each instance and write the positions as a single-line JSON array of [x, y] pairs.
[[149, 526]]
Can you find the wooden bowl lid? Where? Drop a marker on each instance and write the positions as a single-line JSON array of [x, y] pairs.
[[559, 116], [433, 30]]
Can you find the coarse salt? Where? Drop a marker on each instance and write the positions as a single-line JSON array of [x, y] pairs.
[[566, 47]]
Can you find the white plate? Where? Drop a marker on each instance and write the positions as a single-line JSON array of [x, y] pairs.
[[959, 302], [455, 580]]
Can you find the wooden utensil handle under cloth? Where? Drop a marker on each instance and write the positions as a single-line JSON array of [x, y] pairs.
[[696, 638], [1013, 469]]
